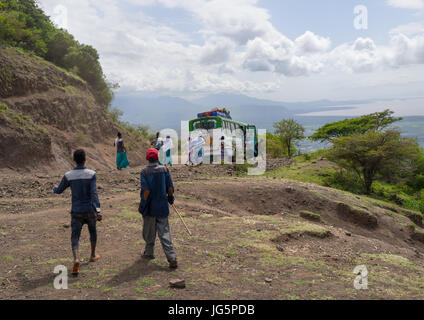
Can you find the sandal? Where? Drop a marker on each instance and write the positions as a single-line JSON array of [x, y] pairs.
[[75, 269], [94, 259]]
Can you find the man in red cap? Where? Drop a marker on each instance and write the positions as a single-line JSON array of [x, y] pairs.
[[157, 190]]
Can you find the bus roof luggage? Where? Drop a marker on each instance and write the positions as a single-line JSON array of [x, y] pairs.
[[215, 113]]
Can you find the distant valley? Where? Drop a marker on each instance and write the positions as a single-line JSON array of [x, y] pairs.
[[168, 112]]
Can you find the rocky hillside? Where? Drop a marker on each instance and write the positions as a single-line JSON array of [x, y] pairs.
[[46, 113]]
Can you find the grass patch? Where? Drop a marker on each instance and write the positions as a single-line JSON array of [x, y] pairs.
[[392, 259], [328, 174], [231, 252], [107, 289], [302, 283], [306, 228], [9, 258], [310, 215], [127, 214], [188, 197], [145, 282], [227, 293], [91, 284], [21, 121], [163, 293], [106, 273]]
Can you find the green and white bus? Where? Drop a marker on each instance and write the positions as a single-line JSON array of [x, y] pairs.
[[233, 133]]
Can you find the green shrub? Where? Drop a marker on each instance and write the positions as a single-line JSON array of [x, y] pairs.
[[3, 109], [80, 138], [345, 180], [241, 169], [421, 201], [115, 115], [307, 157]]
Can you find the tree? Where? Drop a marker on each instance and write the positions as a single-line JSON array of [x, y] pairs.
[[375, 121], [23, 24], [274, 147], [416, 181], [84, 60], [383, 153], [58, 46], [289, 132]]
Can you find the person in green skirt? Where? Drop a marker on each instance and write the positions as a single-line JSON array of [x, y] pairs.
[[167, 148], [121, 156]]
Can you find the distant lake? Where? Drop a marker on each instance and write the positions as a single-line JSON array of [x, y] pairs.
[[412, 111], [401, 107], [411, 127]]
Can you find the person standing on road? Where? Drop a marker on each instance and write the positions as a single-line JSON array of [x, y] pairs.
[[167, 148], [197, 151], [157, 190], [121, 153], [85, 205], [155, 141]]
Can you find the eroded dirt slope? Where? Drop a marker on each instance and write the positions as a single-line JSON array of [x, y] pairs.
[[46, 113]]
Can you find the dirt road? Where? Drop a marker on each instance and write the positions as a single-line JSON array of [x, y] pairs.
[[251, 240]]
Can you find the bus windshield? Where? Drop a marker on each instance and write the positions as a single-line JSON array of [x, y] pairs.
[[205, 124]]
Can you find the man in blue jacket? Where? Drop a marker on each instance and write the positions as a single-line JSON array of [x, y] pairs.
[[85, 205], [157, 190]]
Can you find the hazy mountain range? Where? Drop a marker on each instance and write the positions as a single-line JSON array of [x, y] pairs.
[[167, 112]]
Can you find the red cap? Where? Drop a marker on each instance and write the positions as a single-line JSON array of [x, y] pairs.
[[152, 155]]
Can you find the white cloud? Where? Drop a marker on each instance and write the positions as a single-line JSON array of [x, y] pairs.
[[217, 51], [311, 43], [407, 50], [410, 29], [362, 55], [238, 45], [280, 57], [407, 4]]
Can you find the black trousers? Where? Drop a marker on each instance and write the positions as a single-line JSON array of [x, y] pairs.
[[77, 222]]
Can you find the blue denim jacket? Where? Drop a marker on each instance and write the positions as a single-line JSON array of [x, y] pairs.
[[156, 179], [84, 190]]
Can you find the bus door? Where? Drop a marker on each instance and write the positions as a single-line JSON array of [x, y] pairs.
[[255, 139]]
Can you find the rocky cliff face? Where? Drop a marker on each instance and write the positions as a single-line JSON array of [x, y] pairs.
[[46, 113]]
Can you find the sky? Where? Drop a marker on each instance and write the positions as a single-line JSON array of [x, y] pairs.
[[285, 50]]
